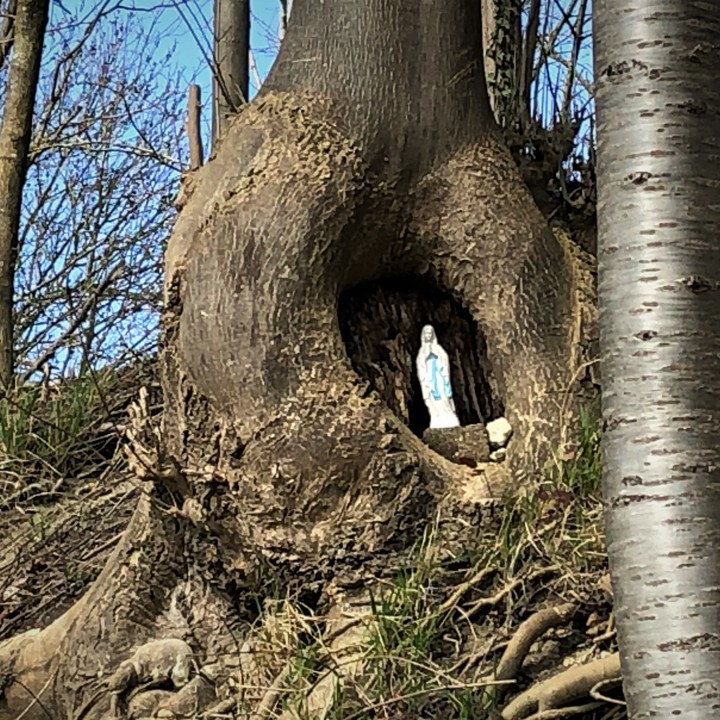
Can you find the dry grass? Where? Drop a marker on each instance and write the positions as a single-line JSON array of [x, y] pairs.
[[65, 494], [472, 636]]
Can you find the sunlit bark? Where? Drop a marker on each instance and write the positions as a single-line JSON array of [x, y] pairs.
[[658, 106]]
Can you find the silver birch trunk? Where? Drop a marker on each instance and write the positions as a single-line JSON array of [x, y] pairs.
[[658, 109]]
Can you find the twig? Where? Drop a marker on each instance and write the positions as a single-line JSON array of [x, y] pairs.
[[74, 325], [463, 587], [596, 693], [254, 70], [36, 698], [223, 709], [495, 599], [270, 698]]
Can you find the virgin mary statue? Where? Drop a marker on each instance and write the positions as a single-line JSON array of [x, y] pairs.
[[433, 369]]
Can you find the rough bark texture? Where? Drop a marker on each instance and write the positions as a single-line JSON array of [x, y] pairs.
[[15, 131], [658, 107], [361, 163]]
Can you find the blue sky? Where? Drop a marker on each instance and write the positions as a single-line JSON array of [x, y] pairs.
[[72, 233], [186, 27]]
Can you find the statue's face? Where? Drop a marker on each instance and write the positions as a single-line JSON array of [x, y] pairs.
[[428, 334]]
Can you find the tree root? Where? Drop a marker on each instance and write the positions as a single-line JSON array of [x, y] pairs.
[[565, 712], [562, 689], [463, 587], [528, 632]]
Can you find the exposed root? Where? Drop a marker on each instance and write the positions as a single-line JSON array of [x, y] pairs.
[[463, 587], [152, 663], [562, 689], [597, 692], [528, 632], [565, 712]]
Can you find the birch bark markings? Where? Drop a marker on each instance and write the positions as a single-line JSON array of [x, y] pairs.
[[658, 107]]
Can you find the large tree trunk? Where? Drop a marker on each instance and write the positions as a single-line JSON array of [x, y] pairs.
[[366, 187], [658, 110], [28, 32]]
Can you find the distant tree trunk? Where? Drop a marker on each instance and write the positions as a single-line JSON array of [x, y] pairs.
[[488, 9], [7, 24], [285, 10], [15, 133], [231, 62], [658, 108], [192, 125], [510, 39], [364, 193]]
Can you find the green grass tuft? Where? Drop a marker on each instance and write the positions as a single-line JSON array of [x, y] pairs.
[[49, 435]]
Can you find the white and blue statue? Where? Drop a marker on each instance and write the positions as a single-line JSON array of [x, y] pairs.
[[433, 369]]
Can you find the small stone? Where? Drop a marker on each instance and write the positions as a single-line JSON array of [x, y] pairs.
[[499, 432], [498, 455]]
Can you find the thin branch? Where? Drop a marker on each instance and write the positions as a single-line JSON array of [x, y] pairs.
[[577, 42], [79, 320]]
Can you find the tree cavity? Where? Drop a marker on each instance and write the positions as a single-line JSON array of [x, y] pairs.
[[381, 321]]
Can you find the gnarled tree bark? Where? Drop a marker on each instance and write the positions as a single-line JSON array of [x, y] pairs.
[[365, 174]]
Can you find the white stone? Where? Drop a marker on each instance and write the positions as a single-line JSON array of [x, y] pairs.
[[498, 455], [499, 432], [433, 369]]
